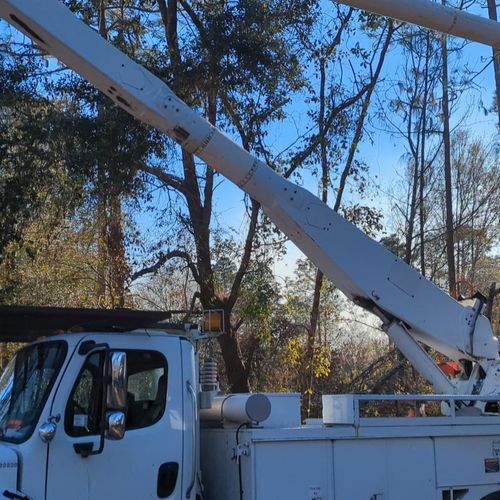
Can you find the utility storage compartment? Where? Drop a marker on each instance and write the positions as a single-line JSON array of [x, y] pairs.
[[385, 469], [294, 470], [278, 466], [473, 460]]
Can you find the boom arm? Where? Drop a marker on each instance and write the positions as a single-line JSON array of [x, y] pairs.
[[435, 17], [411, 307]]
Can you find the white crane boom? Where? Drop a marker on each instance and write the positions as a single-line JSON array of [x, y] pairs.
[[435, 17], [412, 308]]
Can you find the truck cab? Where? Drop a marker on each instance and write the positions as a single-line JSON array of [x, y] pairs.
[[66, 424]]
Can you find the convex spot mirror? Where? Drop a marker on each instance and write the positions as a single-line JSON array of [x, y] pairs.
[[116, 397], [115, 425]]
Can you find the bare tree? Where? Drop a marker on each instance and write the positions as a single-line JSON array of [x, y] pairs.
[[327, 155], [450, 249], [492, 12]]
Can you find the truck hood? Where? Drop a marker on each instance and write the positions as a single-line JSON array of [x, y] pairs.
[[8, 468]]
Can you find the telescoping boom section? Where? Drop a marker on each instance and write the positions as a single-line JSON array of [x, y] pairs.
[[436, 17], [412, 308]]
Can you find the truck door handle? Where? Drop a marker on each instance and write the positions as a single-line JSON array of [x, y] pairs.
[[167, 479], [14, 496], [83, 449]]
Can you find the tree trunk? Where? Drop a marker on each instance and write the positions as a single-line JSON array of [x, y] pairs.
[[413, 212], [314, 318], [102, 255], [492, 12], [102, 195], [118, 268], [236, 373], [421, 201], [450, 251], [492, 293]]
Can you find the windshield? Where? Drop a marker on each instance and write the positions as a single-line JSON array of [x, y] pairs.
[[25, 386]]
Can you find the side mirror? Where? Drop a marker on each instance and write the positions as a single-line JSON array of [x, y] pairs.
[[116, 397], [115, 425], [117, 388]]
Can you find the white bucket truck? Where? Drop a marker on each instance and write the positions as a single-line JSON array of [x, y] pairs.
[[122, 415], [117, 416]]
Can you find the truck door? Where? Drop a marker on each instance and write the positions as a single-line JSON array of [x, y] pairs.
[[147, 462]]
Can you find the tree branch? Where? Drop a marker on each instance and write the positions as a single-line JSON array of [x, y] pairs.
[[193, 16], [166, 178], [361, 119], [315, 141], [247, 252], [162, 260]]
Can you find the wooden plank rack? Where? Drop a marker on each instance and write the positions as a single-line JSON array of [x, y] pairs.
[[28, 323]]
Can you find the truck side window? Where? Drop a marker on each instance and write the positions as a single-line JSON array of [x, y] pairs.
[[147, 388], [84, 408]]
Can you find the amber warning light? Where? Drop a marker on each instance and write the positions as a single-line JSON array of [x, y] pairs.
[[213, 321]]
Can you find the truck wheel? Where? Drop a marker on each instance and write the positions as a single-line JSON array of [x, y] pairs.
[[492, 496]]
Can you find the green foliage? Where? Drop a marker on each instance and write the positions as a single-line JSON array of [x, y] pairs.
[[393, 244], [298, 296], [35, 165], [55, 265]]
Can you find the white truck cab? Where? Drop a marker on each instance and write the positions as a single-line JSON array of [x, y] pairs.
[[58, 395]]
